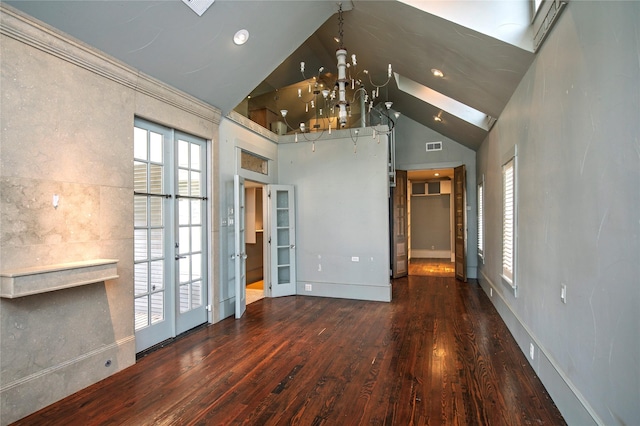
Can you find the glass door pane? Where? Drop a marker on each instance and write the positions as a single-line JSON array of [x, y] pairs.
[[191, 233], [153, 321], [282, 275]]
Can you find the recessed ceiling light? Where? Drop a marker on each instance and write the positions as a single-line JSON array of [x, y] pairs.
[[241, 37], [436, 174], [437, 73]]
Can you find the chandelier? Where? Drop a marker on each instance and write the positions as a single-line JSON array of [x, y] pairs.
[[330, 101]]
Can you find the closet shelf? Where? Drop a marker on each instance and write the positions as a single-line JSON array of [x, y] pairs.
[[42, 279]]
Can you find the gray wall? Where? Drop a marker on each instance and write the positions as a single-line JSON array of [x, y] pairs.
[[342, 212], [575, 119], [67, 124], [411, 154], [430, 222]]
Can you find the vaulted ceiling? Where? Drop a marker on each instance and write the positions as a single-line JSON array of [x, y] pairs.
[[481, 47]]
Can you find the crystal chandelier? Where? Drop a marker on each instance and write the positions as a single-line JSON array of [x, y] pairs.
[[332, 106]]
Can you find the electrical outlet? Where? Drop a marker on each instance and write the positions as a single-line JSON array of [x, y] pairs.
[[308, 287], [532, 351], [563, 293]]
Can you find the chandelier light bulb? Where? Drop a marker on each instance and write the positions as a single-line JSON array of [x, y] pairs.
[[396, 114], [301, 66], [388, 104], [283, 112], [302, 127], [389, 71]]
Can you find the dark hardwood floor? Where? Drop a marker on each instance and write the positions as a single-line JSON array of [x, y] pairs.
[[438, 354]]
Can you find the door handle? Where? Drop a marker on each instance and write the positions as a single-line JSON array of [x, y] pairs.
[[178, 257], [293, 246]]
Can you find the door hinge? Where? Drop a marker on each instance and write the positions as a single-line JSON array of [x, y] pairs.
[[269, 194], [269, 242]]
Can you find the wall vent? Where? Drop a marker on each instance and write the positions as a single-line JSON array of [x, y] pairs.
[[434, 146]]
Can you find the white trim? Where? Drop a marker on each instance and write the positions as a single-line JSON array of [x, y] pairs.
[[25, 29], [564, 393]]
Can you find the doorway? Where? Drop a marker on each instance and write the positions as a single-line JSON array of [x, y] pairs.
[[279, 248], [254, 240], [430, 210], [170, 233]]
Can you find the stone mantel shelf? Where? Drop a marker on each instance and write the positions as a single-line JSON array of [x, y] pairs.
[[41, 279]]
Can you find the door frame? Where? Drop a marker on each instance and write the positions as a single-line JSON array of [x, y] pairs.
[[175, 322], [433, 166]]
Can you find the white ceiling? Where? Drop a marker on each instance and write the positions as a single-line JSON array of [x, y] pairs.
[[196, 54]]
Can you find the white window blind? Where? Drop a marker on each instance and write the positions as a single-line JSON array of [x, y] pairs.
[[481, 219], [508, 220]]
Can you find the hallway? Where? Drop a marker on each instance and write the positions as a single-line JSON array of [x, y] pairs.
[[437, 354]]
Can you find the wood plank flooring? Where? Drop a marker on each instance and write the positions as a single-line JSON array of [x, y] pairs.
[[432, 267], [437, 355]]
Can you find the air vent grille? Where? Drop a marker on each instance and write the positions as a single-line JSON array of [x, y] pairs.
[[434, 146]]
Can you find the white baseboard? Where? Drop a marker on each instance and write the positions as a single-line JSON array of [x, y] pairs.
[[431, 254], [31, 393], [572, 405], [376, 293]]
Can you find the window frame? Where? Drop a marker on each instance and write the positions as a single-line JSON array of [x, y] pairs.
[[509, 242], [480, 214]]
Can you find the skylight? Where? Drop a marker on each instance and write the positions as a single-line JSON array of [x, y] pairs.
[[445, 103], [198, 6]]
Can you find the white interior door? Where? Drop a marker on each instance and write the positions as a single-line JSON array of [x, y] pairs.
[[282, 240], [240, 255]]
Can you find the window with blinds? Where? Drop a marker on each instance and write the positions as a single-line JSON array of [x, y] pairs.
[[508, 221], [481, 219]]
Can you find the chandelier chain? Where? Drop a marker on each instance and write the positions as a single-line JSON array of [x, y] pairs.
[[340, 23]]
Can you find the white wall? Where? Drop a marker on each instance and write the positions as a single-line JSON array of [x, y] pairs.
[[575, 119], [342, 212]]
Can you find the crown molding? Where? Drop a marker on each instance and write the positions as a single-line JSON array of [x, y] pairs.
[[25, 29]]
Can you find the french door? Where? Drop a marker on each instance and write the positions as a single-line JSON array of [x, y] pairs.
[[399, 236], [240, 252], [170, 249], [460, 218], [281, 276]]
